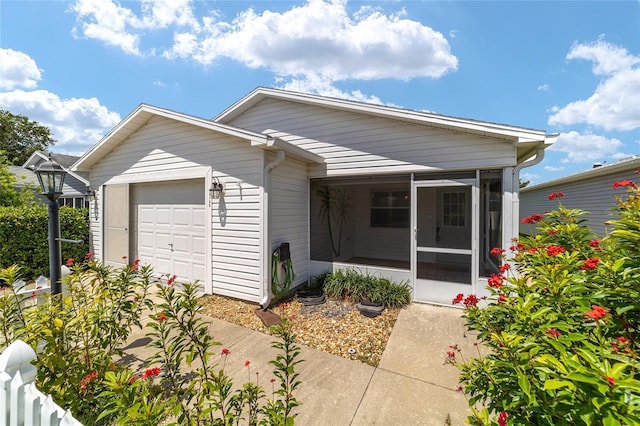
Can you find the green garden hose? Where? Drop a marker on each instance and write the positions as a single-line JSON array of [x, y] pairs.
[[280, 288]]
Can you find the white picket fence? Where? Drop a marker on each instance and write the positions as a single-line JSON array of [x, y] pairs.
[[21, 403]]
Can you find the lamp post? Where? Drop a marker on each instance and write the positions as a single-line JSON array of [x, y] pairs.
[[51, 177]]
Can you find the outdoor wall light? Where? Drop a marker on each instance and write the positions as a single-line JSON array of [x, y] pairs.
[[90, 194], [217, 190]]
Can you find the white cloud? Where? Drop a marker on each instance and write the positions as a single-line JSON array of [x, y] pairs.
[[319, 39], [581, 148], [76, 123], [17, 70], [553, 169], [114, 25], [543, 88], [614, 104], [324, 87]]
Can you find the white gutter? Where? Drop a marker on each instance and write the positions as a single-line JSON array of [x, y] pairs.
[[266, 230]]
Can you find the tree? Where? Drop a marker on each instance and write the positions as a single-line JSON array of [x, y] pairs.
[[10, 195], [21, 137]]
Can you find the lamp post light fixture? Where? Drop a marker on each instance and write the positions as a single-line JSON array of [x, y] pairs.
[[51, 177]]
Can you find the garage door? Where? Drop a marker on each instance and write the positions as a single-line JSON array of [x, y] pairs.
[[170, 227]]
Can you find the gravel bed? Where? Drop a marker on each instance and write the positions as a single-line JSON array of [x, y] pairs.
[[335, 326]]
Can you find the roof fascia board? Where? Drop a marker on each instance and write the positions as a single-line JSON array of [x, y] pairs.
[[31, 162], [630, 163], [273, 142], [143, 109], [517, 134]]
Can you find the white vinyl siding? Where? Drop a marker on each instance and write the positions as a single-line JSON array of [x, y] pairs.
[[362, 144], [289, 215], [594, 195], [164, 149]]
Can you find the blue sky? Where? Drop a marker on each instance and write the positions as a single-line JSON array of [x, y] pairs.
[[567, 67]]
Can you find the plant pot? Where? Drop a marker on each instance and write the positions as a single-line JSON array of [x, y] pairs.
[[370, 309], [312, 299]]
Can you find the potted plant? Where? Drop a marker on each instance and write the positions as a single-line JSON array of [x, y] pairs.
[[312, 293]]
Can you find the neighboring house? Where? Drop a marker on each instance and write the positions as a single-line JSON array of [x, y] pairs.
[[75, 183], [590, 190], [427, 196]]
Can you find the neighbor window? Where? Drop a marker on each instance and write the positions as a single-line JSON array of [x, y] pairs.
[[390, 209], [454, 208]]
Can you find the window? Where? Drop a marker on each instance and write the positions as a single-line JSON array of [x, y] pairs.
[[390, 209], [454, 209], [74, 202]]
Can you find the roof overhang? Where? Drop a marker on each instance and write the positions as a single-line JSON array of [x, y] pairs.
[[528, 141], [143, 113], [629, 163], [38, 157]]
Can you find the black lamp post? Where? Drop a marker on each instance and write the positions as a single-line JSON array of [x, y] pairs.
[[51, 177]]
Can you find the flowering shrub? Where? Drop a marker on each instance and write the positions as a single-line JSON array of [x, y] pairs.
[[563, 332], [79, 335]]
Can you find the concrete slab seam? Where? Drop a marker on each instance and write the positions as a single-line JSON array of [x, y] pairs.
[[355, 412]]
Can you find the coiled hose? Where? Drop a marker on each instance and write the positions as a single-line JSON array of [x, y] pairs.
[[280, 288]]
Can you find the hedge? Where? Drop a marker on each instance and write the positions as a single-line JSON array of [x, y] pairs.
[[24, 237]]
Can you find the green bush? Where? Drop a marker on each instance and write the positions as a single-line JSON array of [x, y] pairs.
[[24, 237], [564, 331], [79, 336], [354, 286]]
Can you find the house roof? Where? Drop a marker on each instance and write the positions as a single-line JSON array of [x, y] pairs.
[[528, 140], [628, 163], [66, 161], [144, 112]]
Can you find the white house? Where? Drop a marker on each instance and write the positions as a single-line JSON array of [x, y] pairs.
[[425, 196], [590, 190]]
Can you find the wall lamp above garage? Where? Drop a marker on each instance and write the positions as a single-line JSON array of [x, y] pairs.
[[217, 190], [89, 194]]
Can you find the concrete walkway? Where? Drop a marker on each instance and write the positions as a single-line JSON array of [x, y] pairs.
[[411, 386]]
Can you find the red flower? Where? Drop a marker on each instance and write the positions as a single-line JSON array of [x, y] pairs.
[[124, 257], [133, 379], [622, 339], [553, 333], [162, 317], [69, 262], [518, 247], [504, 267], [246, 363], [611, 381], [533, 219], [457, 299], [623, 184], [225, 351], [596, 312], [496, 251], [459, 388], [594, 243], [502, 419], [590, 263], [88, 379], [555, 195], [135, 264], [552, 232], [171, 280], [34, 294], [555, 250], [272, 380], [150, 372], [470, 300], [502, 298], [89, 255], [495, 280]]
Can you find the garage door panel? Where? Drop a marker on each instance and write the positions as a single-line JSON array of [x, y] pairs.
[[171, 233]]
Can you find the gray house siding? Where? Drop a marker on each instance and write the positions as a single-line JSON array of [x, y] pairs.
[[355, 144], [593, 194]]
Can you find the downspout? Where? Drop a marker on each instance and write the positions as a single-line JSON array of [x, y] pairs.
[[515, 187], [266, 230]]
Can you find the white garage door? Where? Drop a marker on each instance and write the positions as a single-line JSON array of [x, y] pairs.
[[170, 222]]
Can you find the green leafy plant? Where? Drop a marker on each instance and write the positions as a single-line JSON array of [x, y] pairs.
[[351, 285], [334, 208], [562, 329]]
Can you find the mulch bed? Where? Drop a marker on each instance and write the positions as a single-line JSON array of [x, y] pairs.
[[335, 326]]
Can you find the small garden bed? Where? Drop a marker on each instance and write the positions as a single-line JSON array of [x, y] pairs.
[[335, 326]]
